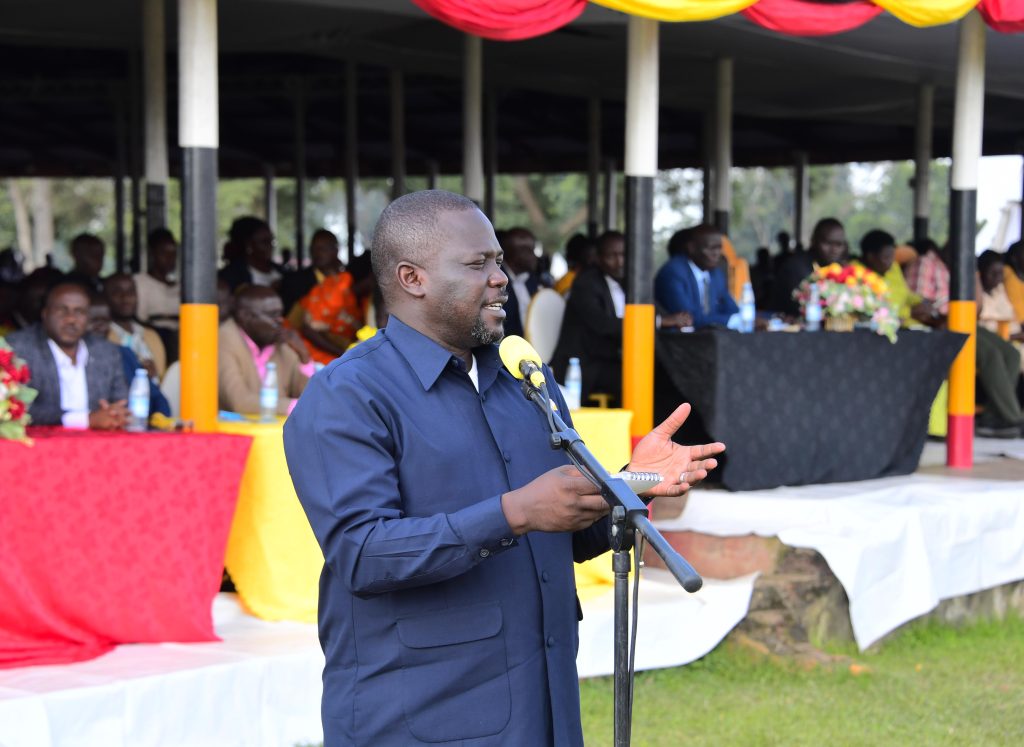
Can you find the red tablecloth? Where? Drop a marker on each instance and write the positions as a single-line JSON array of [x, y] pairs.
[[109, 538]]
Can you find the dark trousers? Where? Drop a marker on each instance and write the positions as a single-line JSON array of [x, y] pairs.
[[998, 370]]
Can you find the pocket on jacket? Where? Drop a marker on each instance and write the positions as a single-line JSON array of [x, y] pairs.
[[455, 673]]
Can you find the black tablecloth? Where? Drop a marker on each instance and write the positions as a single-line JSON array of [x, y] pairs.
[[804, 408]]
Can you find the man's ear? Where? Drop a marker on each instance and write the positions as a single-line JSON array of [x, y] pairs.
[[411, 279]]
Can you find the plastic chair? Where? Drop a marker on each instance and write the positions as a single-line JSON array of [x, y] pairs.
[[171, 387], [544, 322]]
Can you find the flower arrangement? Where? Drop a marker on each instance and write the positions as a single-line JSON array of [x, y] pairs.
[[851, 292], [15, 394]]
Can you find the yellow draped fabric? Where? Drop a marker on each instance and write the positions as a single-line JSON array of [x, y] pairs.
[[1015, 292], [606, 432], [677, 10], [927, 12], [272, 555]]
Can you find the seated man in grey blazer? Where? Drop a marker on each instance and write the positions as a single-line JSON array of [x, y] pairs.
[[79, 376]]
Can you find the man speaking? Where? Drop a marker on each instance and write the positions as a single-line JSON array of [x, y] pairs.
[[449, 528]]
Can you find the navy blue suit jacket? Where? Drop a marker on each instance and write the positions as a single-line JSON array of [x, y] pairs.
[[438, 625], [675, 290], [515, 317]]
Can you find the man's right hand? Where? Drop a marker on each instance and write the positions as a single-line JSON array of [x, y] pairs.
[[561, 500], [110, 417]]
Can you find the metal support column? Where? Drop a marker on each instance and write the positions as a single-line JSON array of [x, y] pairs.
[[923, 159], [472, 120], [723, 143], [154, 84], [593, 167], [967, 135], [198, 136]]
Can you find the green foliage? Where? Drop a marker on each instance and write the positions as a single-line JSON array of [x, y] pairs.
[[929, 684]]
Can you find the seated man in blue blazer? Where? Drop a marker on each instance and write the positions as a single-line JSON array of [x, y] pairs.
[[692, 280]]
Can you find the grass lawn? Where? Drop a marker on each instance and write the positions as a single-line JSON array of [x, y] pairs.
[[928, 685]]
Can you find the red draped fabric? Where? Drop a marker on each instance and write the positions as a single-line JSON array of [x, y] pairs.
[[808, 18], [110, 538], [504, 20], [1003, 15]]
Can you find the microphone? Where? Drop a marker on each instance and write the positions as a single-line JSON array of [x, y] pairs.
[[521, 360]]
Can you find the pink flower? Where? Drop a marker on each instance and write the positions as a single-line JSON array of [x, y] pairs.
[[858, 303]]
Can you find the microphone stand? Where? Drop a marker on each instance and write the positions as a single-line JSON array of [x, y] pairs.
[[628, 515]]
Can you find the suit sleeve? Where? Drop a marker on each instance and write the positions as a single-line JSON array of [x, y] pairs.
[[670, 290], [594, 317], [345, 474], [234, 393]]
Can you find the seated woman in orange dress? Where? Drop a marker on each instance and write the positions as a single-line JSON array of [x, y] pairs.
[[332, 313]]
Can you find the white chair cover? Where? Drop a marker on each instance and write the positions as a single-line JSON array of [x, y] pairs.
[[544, 322]]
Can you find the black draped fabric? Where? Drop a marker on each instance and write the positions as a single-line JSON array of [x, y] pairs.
[[805, 408]]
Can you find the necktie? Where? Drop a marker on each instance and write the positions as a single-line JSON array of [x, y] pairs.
[[707, 293]]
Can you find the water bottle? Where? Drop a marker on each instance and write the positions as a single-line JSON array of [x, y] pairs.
[[747, 309], [138, 401], [573, 384], [812, 312], [268, 394]]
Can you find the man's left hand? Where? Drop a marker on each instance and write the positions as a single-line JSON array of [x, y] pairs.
[[681, 467]]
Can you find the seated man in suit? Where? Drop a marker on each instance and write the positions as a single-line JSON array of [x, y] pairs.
[[520, 265], [592, 325], [693, 282], [253, 337], [828, 245], [79, 376], [123, 301]]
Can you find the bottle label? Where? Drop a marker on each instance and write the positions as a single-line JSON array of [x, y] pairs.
[[268, 398]]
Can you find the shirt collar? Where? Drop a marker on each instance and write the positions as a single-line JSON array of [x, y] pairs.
[[697, 272], [429, 360], [62, 358]]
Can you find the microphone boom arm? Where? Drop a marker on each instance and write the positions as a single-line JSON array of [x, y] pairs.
[[626, 505]]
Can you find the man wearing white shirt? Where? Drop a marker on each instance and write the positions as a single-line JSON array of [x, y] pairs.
[[520, 266], [79, 376]]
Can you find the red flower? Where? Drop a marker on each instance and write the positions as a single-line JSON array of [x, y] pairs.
[[22, 375], [6, 356], [16, 407]]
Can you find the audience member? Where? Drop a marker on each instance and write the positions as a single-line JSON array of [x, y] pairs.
[[79, 376], [87, 251], [762, 277], [324, 262], [580, 252], [519, 246], [1013, 279], [693, 281], [828, 245], [928, 275], [30, 294], [255, 265], [126, 330], [158, 290], [592, 325], [11, 271], [225, 301], [998, 361], [99, 325], [330, 315], [253, 337], [994, 306], [878, 254]]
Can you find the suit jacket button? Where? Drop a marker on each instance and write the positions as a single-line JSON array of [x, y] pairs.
[[551, 641], [544, 576], [506, 457]]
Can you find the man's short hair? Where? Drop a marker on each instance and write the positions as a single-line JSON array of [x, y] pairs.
[[823, 225], [159, 236], [243, 228], [607, 237], [875, 241], [408, 231], [677, 244], [988, 258]]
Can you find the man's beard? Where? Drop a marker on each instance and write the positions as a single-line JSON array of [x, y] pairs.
[[483, 336]]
